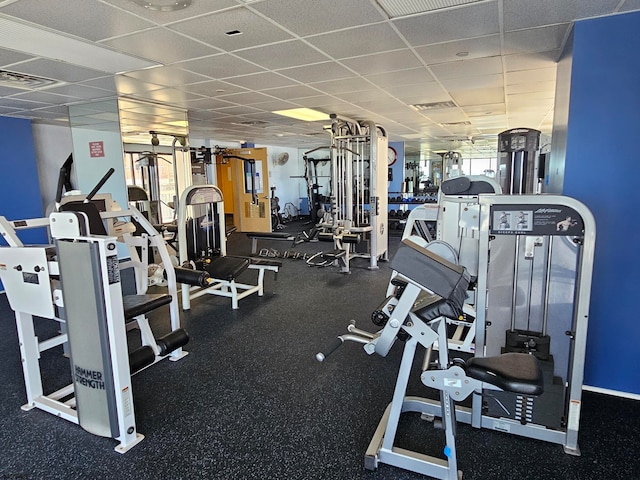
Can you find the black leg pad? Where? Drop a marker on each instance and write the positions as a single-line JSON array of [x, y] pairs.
[[171, 341], [140, 358]]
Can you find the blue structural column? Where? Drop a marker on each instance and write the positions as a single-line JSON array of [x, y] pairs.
[[602, 169], [19, 186]]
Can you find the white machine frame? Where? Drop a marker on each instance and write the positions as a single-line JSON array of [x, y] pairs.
[[41, 296]]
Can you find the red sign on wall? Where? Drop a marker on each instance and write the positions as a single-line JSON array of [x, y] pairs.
[[96, 149]]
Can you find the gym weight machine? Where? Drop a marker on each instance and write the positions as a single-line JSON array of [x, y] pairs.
[[76, 283], [532, 298], [359, 184]]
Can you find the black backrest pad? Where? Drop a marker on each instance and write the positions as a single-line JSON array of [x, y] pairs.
[[432, 271]]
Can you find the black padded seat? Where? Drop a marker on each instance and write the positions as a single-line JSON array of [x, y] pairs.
[[274, 235], [135, 305], [226, 268], [512, 372]]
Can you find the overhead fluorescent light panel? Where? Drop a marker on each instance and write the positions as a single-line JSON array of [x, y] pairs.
[[305, 114], [401, 8], [39, 42], [432, 106], [163, 5]]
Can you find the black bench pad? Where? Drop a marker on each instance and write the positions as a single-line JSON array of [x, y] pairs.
[[264, 261], [226, 268], [135, 305], [512, 372], [273, 235]]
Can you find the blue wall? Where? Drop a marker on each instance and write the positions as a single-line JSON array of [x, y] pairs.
[[19, 187], [602, 169]]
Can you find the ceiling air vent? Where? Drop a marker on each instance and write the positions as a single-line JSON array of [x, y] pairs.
[[24, 81], [432, 106]]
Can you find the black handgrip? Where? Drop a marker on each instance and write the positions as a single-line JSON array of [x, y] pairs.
[[321, 356], [60, 184], [63, 177], [102, 181]]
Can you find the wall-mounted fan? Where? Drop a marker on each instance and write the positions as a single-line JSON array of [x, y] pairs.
[[282, 158]]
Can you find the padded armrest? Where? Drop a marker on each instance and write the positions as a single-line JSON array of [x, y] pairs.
[[512, 372]]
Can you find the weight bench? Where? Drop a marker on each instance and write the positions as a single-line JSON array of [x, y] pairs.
[[255, 236], [217, 276]]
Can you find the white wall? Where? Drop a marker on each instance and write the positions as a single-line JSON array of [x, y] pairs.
[[53, 145], [287, 188]]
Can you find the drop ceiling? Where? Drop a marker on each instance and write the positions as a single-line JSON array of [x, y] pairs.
[[476, 67]]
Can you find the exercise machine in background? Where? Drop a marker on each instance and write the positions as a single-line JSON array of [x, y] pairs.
[[205, 266], [357, 223], [532, 292]]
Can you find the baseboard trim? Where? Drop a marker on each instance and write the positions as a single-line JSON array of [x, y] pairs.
[[615, 393]]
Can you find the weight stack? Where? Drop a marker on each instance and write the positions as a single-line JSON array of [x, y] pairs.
[[546, 409]]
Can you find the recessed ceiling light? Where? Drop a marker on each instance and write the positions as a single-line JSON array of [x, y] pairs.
[[163, 5], [306, 114]]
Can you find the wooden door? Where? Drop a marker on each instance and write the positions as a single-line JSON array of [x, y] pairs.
[[250, 216]]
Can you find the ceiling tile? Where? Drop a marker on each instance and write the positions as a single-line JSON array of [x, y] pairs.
[[54, 14], [208, 103], [325, 16], [423, 93], [479, 97], [470, 21], [475, 82], [168, 76], [246, 98], [261, 81], [466, 68], [162, 18], [104, 83], [169, 95], [237, 110], [346, 85], [127, 85], [358, 41], [212, 29], [282, 55], [318, 72], [535, 39], [220, 66], [533, 75], [161, 45], [81, 91], [45, 96], [383, 62], [56, 70], [413, 76], [7, 57], [294, 91], [531, 87], [488, 46], [528, 61], [526, 14], [485, 110], [212, 88]]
